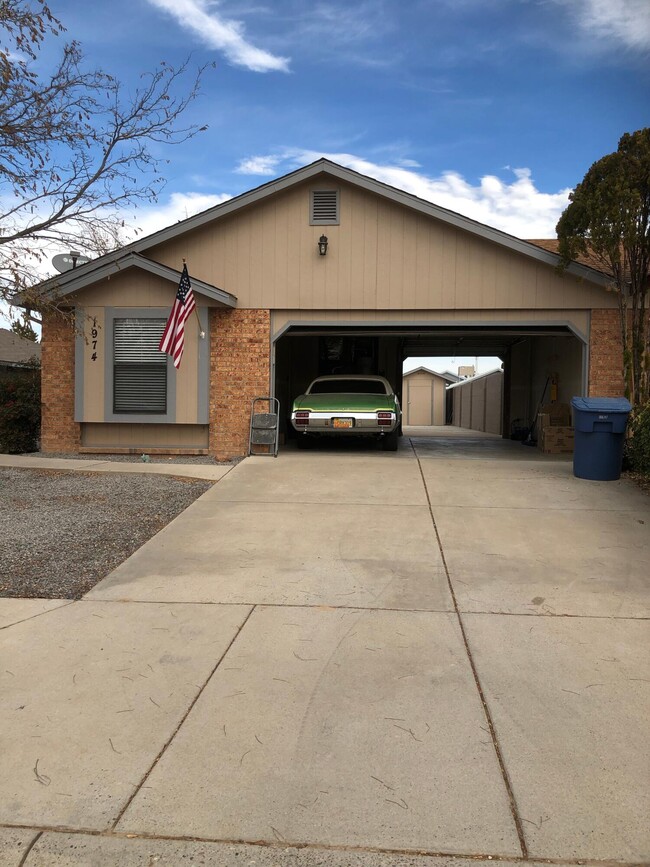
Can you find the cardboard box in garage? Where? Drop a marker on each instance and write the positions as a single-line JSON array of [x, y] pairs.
[[554, 432], [556, 414], [556, 439]]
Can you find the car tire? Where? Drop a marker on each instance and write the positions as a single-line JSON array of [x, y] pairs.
[[390, 441]]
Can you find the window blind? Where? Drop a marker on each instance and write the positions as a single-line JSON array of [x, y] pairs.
[[139, 369]]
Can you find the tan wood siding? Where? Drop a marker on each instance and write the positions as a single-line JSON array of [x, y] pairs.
[[382, 256], [579, 319], [93, 370], [142, 436]]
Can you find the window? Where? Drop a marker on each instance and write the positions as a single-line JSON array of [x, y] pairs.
[[324, 208], [139, 369], [347, 386]]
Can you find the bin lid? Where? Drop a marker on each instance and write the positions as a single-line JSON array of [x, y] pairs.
[[601, 404]]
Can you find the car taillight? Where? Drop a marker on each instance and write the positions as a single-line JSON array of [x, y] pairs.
[[302, 418], [384, 418]]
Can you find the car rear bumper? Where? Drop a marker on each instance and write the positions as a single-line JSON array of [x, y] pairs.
[[362, 423]]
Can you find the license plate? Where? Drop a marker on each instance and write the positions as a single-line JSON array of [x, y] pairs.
[[342, 422]]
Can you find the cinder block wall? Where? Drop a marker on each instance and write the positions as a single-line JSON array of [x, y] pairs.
[[240, 369], [59, 431], [605, 355]]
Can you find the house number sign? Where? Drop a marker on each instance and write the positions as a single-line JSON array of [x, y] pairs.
[[94, 338]]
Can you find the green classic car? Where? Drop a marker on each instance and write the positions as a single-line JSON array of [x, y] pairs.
[[350, 405]]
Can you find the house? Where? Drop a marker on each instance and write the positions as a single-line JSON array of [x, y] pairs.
[[424, 393], [17, 353], [322, 270]]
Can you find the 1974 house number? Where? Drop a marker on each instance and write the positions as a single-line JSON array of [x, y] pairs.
[[94, 335]]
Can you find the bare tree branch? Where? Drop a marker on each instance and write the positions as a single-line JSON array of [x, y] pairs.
[[75, 149]]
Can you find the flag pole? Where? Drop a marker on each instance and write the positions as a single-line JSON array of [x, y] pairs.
[[201, 331]]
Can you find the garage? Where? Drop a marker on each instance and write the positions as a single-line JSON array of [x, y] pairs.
[[540, 363]]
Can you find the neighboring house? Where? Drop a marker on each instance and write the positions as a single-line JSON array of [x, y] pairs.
[[399, 277], [424, 397], [17, 353], [477, 403]]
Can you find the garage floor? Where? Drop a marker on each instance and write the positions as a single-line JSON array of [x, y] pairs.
[[378, 657]]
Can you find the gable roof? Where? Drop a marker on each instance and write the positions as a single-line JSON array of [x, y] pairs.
[[17, 351], [448, 377], [321, 166], [589, 259], [108, 266]]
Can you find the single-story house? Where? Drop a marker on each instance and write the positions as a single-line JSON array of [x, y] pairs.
[[424, 393], [17, 353], [322, 270]]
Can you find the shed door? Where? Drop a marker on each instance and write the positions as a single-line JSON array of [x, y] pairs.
[[419, 404]]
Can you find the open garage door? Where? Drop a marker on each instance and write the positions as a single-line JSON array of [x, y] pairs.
[[534, 357]]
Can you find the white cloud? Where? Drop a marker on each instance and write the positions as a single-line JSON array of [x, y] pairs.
[[258, 166], [202, 18], [624, 21], [516, 206], [179, 206]]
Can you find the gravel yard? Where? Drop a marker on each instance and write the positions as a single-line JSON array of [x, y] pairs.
[[61, 532]]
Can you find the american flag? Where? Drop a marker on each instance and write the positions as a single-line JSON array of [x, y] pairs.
[[173, 340]]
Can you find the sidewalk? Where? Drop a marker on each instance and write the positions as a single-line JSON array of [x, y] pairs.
[[212, 472]]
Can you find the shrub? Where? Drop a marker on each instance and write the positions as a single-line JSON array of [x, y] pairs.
[[20, 411], [637, 448]]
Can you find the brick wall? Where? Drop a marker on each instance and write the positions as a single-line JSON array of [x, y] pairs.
[[605, 355], [240, 369], [59, 431]]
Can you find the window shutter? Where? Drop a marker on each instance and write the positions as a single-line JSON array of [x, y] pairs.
[[140, 369], [324, 209]]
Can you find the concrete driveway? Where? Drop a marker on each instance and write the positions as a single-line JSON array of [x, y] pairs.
[[346, 657]]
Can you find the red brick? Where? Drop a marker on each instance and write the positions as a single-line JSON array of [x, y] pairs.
[[240, 369], [59, 431]]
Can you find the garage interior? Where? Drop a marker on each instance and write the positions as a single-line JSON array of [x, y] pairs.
[[541, 363]]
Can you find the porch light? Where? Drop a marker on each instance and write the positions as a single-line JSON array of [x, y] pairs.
[[322, 245]]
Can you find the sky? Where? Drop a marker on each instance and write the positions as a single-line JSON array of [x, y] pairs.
[[492, 108]]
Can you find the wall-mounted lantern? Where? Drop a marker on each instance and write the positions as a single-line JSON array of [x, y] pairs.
[[322, 245]]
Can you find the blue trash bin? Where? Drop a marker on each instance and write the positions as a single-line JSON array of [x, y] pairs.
[[599, 424]]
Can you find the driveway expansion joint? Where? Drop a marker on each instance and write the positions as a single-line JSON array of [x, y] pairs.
[[486, 710], [168, 742], [112, 834], [38, 614]]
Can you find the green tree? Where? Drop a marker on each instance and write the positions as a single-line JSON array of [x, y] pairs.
[[75, 149], [609, 220], [23, 328]]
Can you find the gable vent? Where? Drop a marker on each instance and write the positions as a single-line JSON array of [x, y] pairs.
[[324, 210]]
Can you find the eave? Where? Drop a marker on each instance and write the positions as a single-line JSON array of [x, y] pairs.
[[57, 289]]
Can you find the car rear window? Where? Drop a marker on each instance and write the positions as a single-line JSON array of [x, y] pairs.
[[348, 386]]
